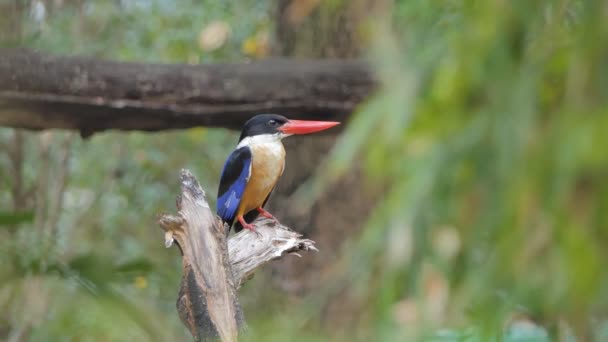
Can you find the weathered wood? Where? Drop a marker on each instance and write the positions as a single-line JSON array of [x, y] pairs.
[[207, 302], [248, 252], [39, 91], [213, 268]]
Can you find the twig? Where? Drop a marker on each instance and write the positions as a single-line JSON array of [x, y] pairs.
[[60, 180], [16, 156]]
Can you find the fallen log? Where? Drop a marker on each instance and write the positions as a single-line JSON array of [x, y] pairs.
[[41, 91]]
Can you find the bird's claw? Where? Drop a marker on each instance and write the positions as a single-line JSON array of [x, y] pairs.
[[250, 227], [266, 214], [253, 230]]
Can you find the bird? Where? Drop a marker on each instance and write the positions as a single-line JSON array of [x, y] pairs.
[[253, 169]]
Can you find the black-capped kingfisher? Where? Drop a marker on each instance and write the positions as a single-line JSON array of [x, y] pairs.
[[253, 169]]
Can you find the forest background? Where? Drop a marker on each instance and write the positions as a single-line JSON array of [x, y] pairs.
[[465, 199]]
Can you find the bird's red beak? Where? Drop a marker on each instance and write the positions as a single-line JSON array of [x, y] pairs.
[[305, 126]]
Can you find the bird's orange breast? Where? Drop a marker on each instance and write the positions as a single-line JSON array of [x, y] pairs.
[[268, 162]]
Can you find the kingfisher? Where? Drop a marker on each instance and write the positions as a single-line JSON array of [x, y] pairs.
[[254, 167]]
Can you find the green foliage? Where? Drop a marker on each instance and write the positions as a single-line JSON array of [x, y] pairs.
[[490, 129], [145, 31], [101, 272], [12, 219]]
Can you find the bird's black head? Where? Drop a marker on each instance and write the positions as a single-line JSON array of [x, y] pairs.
[[263, 124], [279, 126]]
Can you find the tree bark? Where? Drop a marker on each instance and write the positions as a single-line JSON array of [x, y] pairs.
[[214, 266], [40, 91]]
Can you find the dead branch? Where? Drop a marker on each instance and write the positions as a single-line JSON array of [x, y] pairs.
[[248, 251], [214, 266], [41, 91]]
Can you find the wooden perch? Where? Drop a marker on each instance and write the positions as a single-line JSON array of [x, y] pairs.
[[40, 91], [214, 266]]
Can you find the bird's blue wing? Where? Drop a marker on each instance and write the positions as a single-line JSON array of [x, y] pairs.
[[235, 176]]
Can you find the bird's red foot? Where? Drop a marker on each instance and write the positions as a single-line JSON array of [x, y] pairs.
[[265, 213], [246, 225]]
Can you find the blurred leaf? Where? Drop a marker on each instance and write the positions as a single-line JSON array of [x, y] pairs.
[[12, 219], [97, 271], [139, 266], [526, 332]]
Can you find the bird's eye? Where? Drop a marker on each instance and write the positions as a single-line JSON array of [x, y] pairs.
[[273, 123]]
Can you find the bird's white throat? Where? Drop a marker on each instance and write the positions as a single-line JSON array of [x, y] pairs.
[[271, 140]]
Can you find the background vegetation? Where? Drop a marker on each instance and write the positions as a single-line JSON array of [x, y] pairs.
[[487, 139]]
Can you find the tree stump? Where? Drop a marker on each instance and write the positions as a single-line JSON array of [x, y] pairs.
[[215, 265]]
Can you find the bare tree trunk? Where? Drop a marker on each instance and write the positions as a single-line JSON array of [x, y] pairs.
[[214, 266]]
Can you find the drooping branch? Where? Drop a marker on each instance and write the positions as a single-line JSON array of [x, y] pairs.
[[214, 266], [39, 91]]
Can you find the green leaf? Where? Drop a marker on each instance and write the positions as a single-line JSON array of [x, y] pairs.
[[138, 265], [12, 219]]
